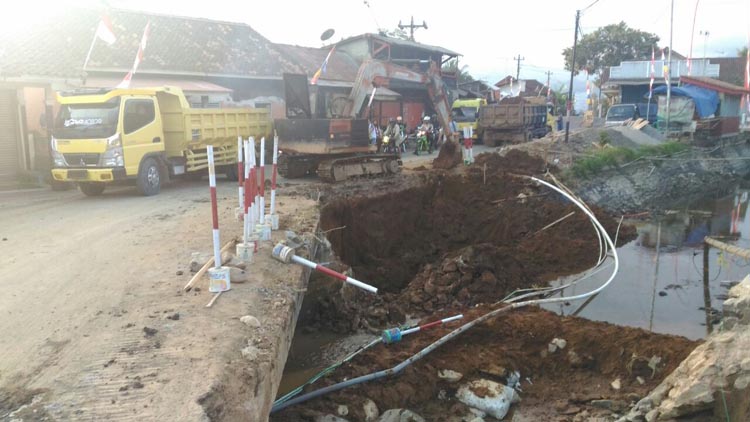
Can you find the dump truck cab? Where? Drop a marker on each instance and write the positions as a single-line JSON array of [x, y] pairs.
[[466, 114], [114, 135], [144, 135]]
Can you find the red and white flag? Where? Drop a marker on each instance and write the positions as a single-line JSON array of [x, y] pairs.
[[138, 58], [747, 78], [664, 67], [105, 32]]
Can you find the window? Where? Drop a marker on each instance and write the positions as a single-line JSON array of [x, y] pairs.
[[138, 113]]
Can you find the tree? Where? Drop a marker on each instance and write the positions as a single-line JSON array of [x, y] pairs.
[[394, 33], [462, 73], [609, 46], [742, 52]]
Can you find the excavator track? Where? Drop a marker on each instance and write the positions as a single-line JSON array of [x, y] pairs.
[[296, 166], [340, 169]]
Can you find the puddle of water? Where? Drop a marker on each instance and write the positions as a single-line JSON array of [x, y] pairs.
[[312, 352], [669, 299]]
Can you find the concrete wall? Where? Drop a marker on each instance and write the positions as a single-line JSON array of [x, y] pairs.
[[653, 185]]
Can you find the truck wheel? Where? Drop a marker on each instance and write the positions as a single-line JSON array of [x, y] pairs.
[[92, 188], [149, 178]]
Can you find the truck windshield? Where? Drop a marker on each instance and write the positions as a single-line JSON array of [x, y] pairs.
[[465, 114], [620, 113], [87, 120]]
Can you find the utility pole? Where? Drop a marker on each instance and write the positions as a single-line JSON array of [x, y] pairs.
[[518, 68], [412, 27], [548, 73], [572, 74], [669, 66]]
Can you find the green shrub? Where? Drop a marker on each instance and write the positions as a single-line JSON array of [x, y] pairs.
[[615, 156]]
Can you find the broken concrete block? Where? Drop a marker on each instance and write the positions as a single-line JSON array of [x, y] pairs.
[[616, 384], [496, 398], [250, 352], [342, 410], [400, 415], [250, 321], [237, 275], [371, 411], [556, 343], [450, 375]]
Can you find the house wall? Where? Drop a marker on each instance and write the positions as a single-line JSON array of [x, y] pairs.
[[730, 105], [359, 49]]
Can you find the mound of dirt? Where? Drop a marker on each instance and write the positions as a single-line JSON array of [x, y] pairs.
[[595, 355], [458, 241]]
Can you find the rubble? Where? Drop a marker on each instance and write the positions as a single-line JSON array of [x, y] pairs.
[[713, 379]]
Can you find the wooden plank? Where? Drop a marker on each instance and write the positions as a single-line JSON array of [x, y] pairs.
[[734, 250]]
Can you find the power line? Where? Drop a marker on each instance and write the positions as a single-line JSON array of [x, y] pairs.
[[589, 6]]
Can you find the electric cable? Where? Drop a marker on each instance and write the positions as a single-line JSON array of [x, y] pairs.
[[510, 306]]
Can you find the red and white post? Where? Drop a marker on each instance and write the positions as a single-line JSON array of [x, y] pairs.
[[287, 255], [245, 249], [240, 173], [253, 197], [262, 214], [272, 213], [219, 276]]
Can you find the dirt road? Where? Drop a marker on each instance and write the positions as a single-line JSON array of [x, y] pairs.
[[95, 325]]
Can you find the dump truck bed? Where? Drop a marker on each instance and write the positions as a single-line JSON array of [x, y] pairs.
[[513, 120]]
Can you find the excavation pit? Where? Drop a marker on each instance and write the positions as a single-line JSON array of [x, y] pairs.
[[458, 243]]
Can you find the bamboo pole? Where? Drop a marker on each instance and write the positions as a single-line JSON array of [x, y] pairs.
[[734, 250]]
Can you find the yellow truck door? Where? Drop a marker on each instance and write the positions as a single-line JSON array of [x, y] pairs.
[[142, 131]]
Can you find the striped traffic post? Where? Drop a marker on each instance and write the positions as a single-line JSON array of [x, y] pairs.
[[274, 218], [219, 276], [240, 174], [262, 214], [287, 255]]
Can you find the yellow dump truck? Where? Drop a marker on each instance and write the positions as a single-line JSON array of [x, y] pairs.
[[144, 136], [466, 114]]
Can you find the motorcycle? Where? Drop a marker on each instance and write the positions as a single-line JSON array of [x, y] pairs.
[[423, 143], [389, 147]]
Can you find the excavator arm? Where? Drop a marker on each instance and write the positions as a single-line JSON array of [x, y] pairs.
[[377, 73]]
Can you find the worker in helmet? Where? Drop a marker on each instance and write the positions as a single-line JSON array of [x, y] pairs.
[[393, 132], [428, 130]]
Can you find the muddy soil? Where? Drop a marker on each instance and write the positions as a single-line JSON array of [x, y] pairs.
[[455, 241], [459, 242], [555, 385]]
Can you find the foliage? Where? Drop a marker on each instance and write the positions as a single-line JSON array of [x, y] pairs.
[[742, 52], [394, 33], [463, 72], [609, 46], [614, 156]]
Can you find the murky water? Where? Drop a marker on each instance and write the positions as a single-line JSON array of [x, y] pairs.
[[670, 298]]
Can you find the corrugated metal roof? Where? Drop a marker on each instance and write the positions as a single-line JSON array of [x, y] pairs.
[[341, 66], [403, 43], [57, 46]]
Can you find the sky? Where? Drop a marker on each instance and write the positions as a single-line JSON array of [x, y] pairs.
[[489, 34]]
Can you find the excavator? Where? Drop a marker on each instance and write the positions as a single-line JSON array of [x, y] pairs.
[[339, 148]]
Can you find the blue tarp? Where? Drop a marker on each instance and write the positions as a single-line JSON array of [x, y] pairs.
[[706, 101]]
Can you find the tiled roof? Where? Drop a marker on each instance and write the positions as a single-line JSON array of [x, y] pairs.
[[176, 45], [341, 66]]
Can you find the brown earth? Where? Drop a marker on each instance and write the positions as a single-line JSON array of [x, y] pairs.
[[456, 243], [554, 384], [424, 251]]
